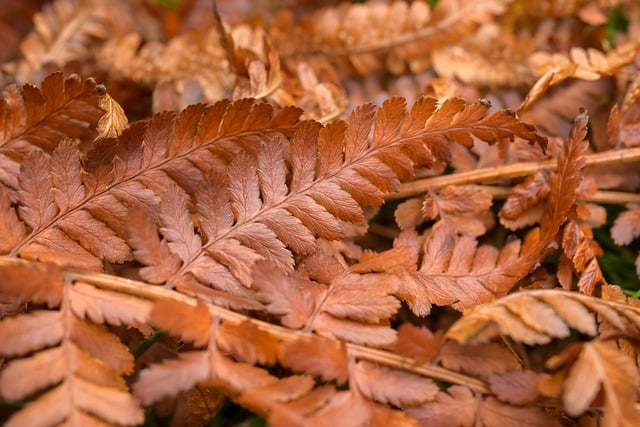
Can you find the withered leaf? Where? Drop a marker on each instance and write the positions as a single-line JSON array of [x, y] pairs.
[[189, 323], [318, 356], [602, 366], [392, 386], [483, 360], [419, 343], [246, 342], [516, 387]]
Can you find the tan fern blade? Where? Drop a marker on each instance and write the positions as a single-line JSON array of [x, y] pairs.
[[64, 31], [456, 272], [87, 224], [615, 373], [460, 406], [42, 117], [78, 364], [268, 395], [212, 365], [260, 216], [537, 316], [353, 306], [378, 35], [269, 342]]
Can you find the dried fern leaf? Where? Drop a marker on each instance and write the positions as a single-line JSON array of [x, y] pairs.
[[255, 214], [579, 246], [354, 306], [459, 406], [52, 190], [248, 343], [525, 196], [64, 30], [388, 386], [536, 317], [15, 23], [383, 35], [87, 224], [455, 272], [262, 400], [43, 116], [169, 377], [79, 364], [587, 64], [318, 356], [481, 360], [602, 365], [516, 387], [418, 343]]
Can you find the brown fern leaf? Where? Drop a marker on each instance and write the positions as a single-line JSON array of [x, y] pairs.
[[384, 35], [466, 207], [12, 230], [524, 196], [65, 30], [75, 365], [191, 324], [263, 400], [386, 385], [211, 365], [42, 117], [354, 305], [195, 58], [598, 367], [587, 64], [626, 228], [52, 191], [322, 407], [580, 247], [318, 356], [454, 272], [77, 212], [538, 316], [516, 387], [248, 385], [564, 183], [330, 408], [256, 214], [418, 343], [481, 360], [458, 406], [15, 22]]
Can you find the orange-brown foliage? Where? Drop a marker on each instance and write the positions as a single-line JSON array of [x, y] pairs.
[[227, 175]]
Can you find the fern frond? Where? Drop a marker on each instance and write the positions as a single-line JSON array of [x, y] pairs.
[[44, 116], [253, 213], [77, 211], [64, 30], [353, 306], [460, 406], [616, 376], [384, 35], [535, 317], [454, 272], [79, 364]]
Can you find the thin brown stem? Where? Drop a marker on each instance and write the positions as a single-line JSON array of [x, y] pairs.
[[606, 197], [515, 170]]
